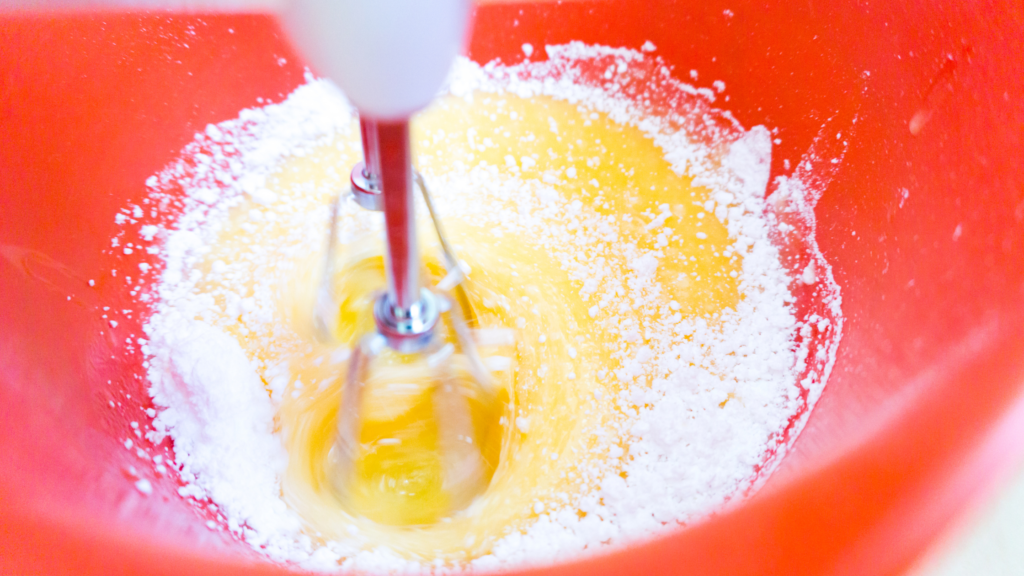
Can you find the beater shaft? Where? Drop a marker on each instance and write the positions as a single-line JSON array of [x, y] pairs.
[[371, 151], [399, 214], [366, 187], [407, 313]]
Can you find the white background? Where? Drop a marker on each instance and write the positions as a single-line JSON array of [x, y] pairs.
[[988, 541]]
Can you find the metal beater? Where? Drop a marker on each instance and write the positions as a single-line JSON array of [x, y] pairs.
[[407, 314], [390, 58]]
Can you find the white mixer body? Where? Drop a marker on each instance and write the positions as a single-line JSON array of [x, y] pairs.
[[390, 57]]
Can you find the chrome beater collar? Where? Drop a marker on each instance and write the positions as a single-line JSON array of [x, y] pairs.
[[407, 329]]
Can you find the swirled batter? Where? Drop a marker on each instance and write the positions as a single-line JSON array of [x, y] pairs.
[[654, 365]]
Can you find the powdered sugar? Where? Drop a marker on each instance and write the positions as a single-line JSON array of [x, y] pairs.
[[708, 403], [222, 423]]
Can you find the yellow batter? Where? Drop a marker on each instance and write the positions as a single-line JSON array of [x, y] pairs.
[[549, 433]]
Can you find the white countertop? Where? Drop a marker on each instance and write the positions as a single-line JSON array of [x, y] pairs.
[[988, 541]]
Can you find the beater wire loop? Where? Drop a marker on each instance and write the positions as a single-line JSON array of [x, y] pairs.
[[463, 462], [325, 310]]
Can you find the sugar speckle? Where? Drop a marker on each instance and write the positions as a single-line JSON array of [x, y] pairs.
[[523, 424], [144, 486]]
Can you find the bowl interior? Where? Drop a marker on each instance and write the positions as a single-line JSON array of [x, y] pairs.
[[922, 220]]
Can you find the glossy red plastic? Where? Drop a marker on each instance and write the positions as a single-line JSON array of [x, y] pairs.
[[923, 222]]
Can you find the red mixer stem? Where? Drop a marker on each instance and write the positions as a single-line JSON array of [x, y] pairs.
[[396, 175]]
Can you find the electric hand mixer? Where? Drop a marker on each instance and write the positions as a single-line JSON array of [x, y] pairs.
[[390, 58]]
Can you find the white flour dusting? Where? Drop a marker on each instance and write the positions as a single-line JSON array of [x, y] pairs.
[[683, 455]]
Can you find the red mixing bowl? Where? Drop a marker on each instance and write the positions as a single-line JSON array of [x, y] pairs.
[[923, 222]]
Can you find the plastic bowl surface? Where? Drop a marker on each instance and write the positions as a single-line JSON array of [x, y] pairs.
[[923, 222]]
